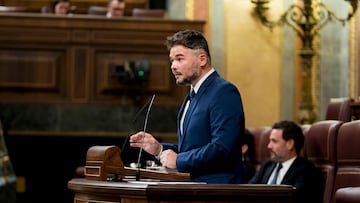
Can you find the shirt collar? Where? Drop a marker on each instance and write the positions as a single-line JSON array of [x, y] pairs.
[[286, 164], [198, 84]]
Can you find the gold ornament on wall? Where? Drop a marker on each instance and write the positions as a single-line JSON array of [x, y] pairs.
[[306, 17]]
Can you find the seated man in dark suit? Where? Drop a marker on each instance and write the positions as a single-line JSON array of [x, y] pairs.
[[287, 166]]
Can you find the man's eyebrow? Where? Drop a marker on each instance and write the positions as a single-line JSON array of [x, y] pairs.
[[177, 55], [180, 54]]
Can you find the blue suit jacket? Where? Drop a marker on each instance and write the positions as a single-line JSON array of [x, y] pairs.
[[302, 174], [210, 146]]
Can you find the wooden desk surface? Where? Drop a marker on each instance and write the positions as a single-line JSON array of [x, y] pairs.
[[89, 190]]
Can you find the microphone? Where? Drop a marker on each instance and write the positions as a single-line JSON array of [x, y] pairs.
[[142, 140], [132, 122]]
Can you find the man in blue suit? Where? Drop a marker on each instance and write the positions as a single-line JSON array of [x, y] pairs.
[[288, 167], [210, 120]]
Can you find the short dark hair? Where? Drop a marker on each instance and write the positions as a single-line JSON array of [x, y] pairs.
[[248, 139], [116, 0], [191, 39], [55, 2], [291, 131]]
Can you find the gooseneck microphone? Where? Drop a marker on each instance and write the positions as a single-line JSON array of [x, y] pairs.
[[143, 136], [132, 122]]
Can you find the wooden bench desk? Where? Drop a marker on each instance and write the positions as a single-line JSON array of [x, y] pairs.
[[171, 192]]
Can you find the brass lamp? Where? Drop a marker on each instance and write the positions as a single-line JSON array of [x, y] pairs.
[[306, 19]]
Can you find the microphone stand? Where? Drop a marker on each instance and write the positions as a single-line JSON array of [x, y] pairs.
[[142, 140], [132, 122]]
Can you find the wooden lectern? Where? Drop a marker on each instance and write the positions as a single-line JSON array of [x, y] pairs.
[[104, 163], [90, 191]]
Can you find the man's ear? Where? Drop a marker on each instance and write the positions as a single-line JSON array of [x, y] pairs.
[[244, 148], [290, 144], [203, 59]]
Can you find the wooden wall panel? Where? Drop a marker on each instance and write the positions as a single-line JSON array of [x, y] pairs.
[[28, 70], [108, 85], [70, 59], [16, 34], [159, 77], [25, 73], [81, 80]]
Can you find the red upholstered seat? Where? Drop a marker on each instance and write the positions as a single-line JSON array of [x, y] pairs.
[[339, 109], [7, 9], [348, 156], [305, 128], [320, 148], [97, 10], [348, 195], [143, 12], [261, 140]]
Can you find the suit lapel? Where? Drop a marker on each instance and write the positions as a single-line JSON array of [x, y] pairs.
[[192, 107], [290, 171], [268, 172], [181, 111], [190, 110], [196, 99]]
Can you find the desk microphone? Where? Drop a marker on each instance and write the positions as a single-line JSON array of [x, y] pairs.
[[132, 122], [142, 140]]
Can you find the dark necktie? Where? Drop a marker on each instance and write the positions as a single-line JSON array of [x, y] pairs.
[[187, 104], [273, 181], [192, 94]]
